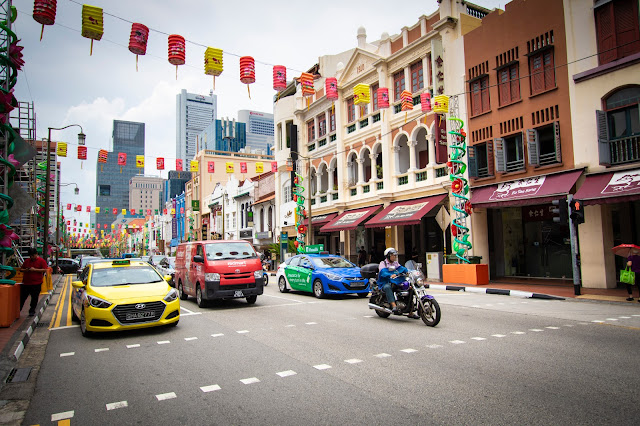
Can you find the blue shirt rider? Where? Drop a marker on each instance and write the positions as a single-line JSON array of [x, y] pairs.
[[387, 278]]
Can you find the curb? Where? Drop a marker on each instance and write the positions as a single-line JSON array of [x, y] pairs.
[[27, 334], [499, 291]]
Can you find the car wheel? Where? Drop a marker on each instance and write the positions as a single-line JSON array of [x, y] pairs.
[[173, 324], [74, 317], [252, 299], [199, 300], [183, 295], [83, 325], [282, 285], [318, 289], [362, 295]]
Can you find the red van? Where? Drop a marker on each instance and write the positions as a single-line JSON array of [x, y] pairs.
[[218, 269]]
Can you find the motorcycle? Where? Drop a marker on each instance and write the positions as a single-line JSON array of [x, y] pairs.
[[265, 273], [411, 295]]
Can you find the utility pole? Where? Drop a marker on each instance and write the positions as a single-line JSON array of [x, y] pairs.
[[574, 250]]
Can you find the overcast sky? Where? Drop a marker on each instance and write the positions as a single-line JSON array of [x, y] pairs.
[[68, 86]]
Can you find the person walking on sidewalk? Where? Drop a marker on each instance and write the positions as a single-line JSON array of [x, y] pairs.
[[633, 261], [34, 269]]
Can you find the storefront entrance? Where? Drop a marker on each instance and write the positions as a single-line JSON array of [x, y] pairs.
[[526, 242]]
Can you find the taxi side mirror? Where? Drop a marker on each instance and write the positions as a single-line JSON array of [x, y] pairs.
[[167, 278], [77, 284]]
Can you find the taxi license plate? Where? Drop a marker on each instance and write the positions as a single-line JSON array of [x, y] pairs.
[[238, 293], [139, 315]]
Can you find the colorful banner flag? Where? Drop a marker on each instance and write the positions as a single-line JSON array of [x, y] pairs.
[[82, 153], [78, 208], [179, 165], [274, 166], [160, 163], [97, 209], [194, 166], [102, 156], [140, 161], [61, 149], [115, 211], [211, 166], [243, 167], [124, 211], [68, 206], [259, 167], [229, 166]]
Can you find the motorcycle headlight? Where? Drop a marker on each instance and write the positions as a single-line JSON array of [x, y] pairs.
[[420, 282], [333, 277], [257, 274], [171, 296], [96, 302], [211, 276]]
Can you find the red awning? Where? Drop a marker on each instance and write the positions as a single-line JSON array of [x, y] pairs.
[[612, 187], [321, 219], [405, 212], [349, 220], [523, 192]]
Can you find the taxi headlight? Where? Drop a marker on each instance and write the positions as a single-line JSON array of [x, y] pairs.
[[211, 276], [171, 296], [96, 302], [257, 274]]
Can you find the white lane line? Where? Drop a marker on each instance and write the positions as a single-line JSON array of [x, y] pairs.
[[478, 338], [598, 321], [352, 361], [434, 346], [67, 354], [312, 323], [65, 326], [612, 319], [286, 373], [210, 388], [322, 367], [116, 405], [163, 342], [188, 312], [408, 350], [553, 328], [164, 396], [518, 332], [188, 339], [250, 380], [217, 335], [457, 342], [537, 330], [568, 325], [635, 315], [382, 355], [290, 325], [101, 349], [368, 316], [62, 416], [137, 345], [498, 335], [242, 331], [625, 317]]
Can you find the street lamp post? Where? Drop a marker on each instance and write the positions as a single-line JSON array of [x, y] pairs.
[[81, 139], [76, 191]]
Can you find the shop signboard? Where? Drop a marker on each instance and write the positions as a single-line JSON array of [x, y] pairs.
[[517, 189], [314, 249]]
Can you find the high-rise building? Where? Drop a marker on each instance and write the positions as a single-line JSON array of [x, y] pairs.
[[174, 185], [145, 193], [259, 130], [193, 114], [112, 181], [224, 135]]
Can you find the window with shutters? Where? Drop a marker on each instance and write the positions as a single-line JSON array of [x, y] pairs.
[[619, 127], [374, 96], [351, 110], [543, 145], [542, 71], [508, 84], [398, 84], [481, 160], [480, 96], [617, 31], [332, 120], [417, 78], [512, 153], [311, 130], [322, 125]]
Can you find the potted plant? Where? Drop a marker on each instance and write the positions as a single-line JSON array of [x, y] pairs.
[[379, 171]]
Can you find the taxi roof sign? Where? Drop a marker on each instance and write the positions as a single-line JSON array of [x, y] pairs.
[[121, 262]]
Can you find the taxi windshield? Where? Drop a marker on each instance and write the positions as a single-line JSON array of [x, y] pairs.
[[224, 251], [331, 262], [107, 277]]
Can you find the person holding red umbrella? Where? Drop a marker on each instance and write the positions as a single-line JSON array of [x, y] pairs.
[[632, 253]]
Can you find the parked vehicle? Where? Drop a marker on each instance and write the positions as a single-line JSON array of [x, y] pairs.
[[321, 274], [84, 259], [155, 259], [167, 266], [265, 273], [218, 269], [411, 295], [115, 295], [68, 266]]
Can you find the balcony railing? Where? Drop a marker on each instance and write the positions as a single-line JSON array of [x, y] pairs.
[[366, 189], [513, 166], [379, 186], [546, 159], [332, 138], [354, 191], [442, 172], [334, 196], [364, 122], [351, 128], [625, 150], [322, 142], [483, 172], [421, 176], [403, 180], [323, 199]]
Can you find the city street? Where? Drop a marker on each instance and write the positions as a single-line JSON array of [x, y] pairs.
[[293, 359]]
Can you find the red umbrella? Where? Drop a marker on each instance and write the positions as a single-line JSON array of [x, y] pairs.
[[626, 250]]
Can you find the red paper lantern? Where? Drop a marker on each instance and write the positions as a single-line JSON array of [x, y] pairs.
[[176, 50], [247, 70], [331, 88], [306, 81], [279, 78], [82, 153], [160, 163], [407, 100], [44, 12], [138, 39], [425, 102], [383, 97], [179, 165]]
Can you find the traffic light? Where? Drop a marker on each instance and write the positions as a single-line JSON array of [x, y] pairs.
[[577, 212], [560, 211]]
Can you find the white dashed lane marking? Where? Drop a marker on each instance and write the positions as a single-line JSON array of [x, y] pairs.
[[382, 355], [408, 350], [518, 332], [164, 396], [311, 323], [286, 373], [67, 354], [322, 367], [188, 339], [210, 388], [163, 342], [478, 338], [217, 335], [553, 328], [242, 331], [537, 330], [353, 361], [62, 416], [434, 346], [101, 349], [498, 335], [116, 405], [250, 380], [137, 345]]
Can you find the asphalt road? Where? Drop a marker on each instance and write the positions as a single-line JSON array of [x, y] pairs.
[[293, 359]]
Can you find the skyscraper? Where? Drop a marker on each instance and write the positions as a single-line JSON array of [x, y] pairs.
[[259, 129], [112, 181], [193, 114]]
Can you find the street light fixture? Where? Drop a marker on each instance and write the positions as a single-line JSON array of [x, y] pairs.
[[81, 141]]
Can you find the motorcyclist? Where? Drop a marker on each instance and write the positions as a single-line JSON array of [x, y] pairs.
[[387, 278]]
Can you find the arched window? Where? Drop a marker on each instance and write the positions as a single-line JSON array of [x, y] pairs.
[[270, 218], [623, 116], [262, 220], [242, 215]]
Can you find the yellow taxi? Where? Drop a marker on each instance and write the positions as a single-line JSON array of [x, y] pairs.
[[123, 294]]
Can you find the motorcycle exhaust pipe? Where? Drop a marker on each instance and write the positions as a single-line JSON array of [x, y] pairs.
[[380, 308]]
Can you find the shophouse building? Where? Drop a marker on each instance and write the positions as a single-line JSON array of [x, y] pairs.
[[375, 176]]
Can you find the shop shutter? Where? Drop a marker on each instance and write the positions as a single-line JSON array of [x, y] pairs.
[[606, 36], [486, 106], [490, 158], [604, 149], [556, 139], [501, 162], [515, 82], [473, 162], [476, 101], [627, 31], [532, 147], [537, 73], [504, 86], [549, 70]]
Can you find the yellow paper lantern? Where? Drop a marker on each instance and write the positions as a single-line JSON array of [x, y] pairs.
[[441, 104], [361, 94], [61, 149], [92, 23], [140, 161], [194, 166], [213, 63], [259, 167], [97, 209], [124, 211], [229, 166], [113, 226]]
